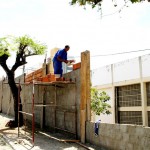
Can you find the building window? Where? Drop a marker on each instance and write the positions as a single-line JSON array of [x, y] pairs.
[[149, 118], [148, 93], [128, 96], [130, 117]]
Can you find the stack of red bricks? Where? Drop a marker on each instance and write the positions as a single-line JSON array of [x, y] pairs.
[[34, 75], [76, 66], [37, 75], [52, 78]]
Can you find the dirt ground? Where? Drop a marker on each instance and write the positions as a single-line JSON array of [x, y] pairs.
[[9, 139]]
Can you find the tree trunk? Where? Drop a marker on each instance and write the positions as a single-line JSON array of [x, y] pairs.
[[15, 89]]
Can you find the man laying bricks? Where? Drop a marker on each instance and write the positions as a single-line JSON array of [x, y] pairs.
[[61, 56]]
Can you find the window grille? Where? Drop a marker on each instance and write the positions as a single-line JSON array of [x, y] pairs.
[[130, 117], [148, 93], [149, 118], [129, 95]]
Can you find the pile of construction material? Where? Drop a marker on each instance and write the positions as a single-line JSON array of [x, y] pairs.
[[38, 75]]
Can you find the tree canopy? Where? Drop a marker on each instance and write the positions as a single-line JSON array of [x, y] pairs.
[[98, 3], [99, 103], [24, 46]]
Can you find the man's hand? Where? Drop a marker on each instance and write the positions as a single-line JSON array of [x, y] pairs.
[[71, 61], [66, 61]]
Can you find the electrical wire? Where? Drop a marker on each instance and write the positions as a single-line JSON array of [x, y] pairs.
[[101, 55], [121, 53]]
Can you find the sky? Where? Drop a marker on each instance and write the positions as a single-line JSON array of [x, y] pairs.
[[57, 23]]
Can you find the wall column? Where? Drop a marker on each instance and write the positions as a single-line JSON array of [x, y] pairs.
[[113, 93], [85, 111], [143, 95]]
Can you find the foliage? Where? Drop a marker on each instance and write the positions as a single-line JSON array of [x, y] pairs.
[[99, 102], [23, 47], [98, 3], [34, 47], [23, 44]]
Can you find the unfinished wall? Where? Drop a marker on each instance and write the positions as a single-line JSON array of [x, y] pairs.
[[119, 137], [6, 99], [60, 113]]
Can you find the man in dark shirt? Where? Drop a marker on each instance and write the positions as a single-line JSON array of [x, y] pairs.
[[60, 56]]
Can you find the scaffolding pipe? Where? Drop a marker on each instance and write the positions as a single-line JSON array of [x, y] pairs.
[[26, 113], [33, 126], [18, 106]]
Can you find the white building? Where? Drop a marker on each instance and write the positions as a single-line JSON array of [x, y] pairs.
[[128, 85]]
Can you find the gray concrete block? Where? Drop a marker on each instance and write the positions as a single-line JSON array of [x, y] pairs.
[[131, 129], [139, 130], [133, 139], [147, 142], [123, 128], [125, 137], [147, 131], [129, 146], [118, 137], [138, 147], [142, 141], [117, 126], [121, 145]]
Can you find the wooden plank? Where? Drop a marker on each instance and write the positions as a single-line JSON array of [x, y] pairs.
[[88, 88], [82, 124], [83, 98], [73, 141], [85, 88], [83, 81]]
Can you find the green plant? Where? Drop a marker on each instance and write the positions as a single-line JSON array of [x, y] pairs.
[[98, 3], [23, 47], [99, 101]]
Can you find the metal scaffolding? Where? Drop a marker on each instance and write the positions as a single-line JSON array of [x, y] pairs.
[[32, 114]]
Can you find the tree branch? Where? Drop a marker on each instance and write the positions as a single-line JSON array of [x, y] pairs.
[[4, 66], [18, 64], [20, 58], [31, 54], [3, 60]]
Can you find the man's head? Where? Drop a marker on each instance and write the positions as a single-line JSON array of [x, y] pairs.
[[67, 47]]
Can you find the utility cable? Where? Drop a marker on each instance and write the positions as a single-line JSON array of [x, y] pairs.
[[111, 54]]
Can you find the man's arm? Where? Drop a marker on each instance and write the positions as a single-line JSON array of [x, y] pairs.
[[62, 60], [65, 61]]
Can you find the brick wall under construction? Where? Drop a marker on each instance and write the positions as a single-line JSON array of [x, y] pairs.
[[61, 102]]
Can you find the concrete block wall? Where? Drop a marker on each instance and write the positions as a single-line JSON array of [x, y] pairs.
[[119, 136], [7, 105], [61, 115], [6, 99]]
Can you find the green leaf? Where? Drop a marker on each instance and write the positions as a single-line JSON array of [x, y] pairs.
[[98, 102]]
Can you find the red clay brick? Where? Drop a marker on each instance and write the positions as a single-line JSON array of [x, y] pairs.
[[76, 66]]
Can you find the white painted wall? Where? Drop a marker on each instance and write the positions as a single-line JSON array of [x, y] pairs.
[[122, 71], [145, 65], [126, 70], [101, 76]]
